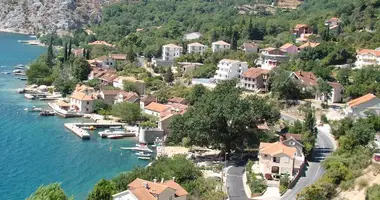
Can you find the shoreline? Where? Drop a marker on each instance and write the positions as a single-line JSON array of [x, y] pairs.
[[11, 30]]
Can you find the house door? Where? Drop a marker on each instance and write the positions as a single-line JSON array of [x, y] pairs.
[[275, 170]]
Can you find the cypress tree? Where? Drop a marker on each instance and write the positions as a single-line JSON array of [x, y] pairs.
[[169, 77], [69, 53], [65, 53], [250, 30], [234, 39], [84, 53], [50, 55], [88, 54]]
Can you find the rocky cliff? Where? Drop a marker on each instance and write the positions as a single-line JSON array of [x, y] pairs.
[[33, 16]]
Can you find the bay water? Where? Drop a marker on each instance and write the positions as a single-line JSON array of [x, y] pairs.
[[37, 150]]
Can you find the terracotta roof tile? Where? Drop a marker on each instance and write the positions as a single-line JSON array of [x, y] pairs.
[[177, 100], [179, 191], [309, 44], [298, 26], [157, 107], [297, 137], [153, 188], [287, 45], [360, 100], [307, 78], [369, 51], [82, 96], [335, 85], [119, 56], [196, 44], [255, 72], [109, 76], [142, 193], [277, 148], [172, 46], [221, 42], [111, 92]]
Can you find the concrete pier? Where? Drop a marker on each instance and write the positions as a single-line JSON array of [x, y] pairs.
[[76, 128]]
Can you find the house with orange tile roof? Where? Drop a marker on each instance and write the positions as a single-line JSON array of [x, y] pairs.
[[302, 29], [333, 23], [179, 100], [249, 47], [255, 79], [140, 189], [307, 79], [359, 107], [118, 57], [123, 96], [289, 48], [108, 77], [220, 46], [367, 57], [281, 157], [171, 51], [156, 109], [81, 100], [271, 57]]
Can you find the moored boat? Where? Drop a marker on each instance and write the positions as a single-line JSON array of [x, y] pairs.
[[29, 96], [142, 154], [115, 136], [47, 113], [144, 158]]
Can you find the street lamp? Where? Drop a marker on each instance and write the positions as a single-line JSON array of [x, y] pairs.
[[225, 159]]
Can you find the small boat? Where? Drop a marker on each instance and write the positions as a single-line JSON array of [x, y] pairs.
[[144, 158], [144, 149], [18, 71], [142, 144], [20, 74], [115, 136], [34, 109], [47, 113], [142, 154], [23, 79], [29, 96], [6, 73], [115, 127], [19, 66], [21, 90]]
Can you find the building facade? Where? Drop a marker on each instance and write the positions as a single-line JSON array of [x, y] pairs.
[[271, 58], [367, 57], [196, 48], [255, 79], [220, 46], [230, 69], [171, 51]]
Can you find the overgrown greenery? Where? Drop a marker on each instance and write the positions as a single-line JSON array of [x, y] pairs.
[[52, 191]]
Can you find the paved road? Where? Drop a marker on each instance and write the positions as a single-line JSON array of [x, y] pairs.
[[234, 183], [314, 170]]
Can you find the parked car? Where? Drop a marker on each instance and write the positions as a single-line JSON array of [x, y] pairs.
[[376, 157]]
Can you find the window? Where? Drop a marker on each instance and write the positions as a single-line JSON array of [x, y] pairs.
[[276, 159], [86, 109], [286, 160], [87, 102]]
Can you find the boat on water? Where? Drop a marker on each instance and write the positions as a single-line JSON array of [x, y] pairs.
[[19, 67], [144, 149], [29, 96], [115, 127], [115, 136], [144, 158], [142, 144], [34, 109], [20, 74], [23, 79], [142, 154], [18, 71], [47, 113]]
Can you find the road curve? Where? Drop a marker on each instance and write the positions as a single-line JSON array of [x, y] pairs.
[[234, 183]]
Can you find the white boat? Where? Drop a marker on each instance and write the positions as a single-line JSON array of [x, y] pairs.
[[18, 71], [5, 72], [29, 96], [144, 149], [36, 109], [143, 154], [115, 127], [144, 158], [142, 144], [115, 136]]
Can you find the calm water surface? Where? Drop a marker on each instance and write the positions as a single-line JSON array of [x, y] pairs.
[[38, 150]]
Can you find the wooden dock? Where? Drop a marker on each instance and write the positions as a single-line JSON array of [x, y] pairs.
[[76, 128]]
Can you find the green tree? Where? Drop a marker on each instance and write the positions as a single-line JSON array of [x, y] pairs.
[[50, 55], [373, 193], [65, 53], [234, 39], [283, 86], [128, 112], [324, 89], [169, 77], [129, 86], [221, 121], [196, 93], [103, 190], [49, 192], [39, 73], [80, 68], [320, 190], [131, 56], [69, 52], [148, 124], [99, 105]]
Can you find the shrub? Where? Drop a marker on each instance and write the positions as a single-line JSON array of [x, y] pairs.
[[362, 183]]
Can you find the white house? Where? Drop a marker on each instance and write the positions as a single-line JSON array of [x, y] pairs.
[[171, 51], [360, 106], [81, 100], [124, 96], [366, 57], [271, 58], [140, 84], [192, 36], [196, 47], [229, 69], [335, 96], [140, 189], [220, 46], [103, 62], [156, 109]]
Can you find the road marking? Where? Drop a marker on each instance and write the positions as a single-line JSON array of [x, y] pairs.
[[315, 176]]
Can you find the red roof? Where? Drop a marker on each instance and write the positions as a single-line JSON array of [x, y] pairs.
[[360, 100], [255, 72], [307, 78], [369, 51]]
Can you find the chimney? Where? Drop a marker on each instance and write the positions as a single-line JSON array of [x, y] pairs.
[[154, 180], [162, 180], [173, 178], [300, 72], [145, 184], [282, 138]]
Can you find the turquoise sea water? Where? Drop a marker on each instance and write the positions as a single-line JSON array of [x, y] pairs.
[[38, 150]]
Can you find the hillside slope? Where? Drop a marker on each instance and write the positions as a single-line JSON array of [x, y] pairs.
[[33, 16]]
